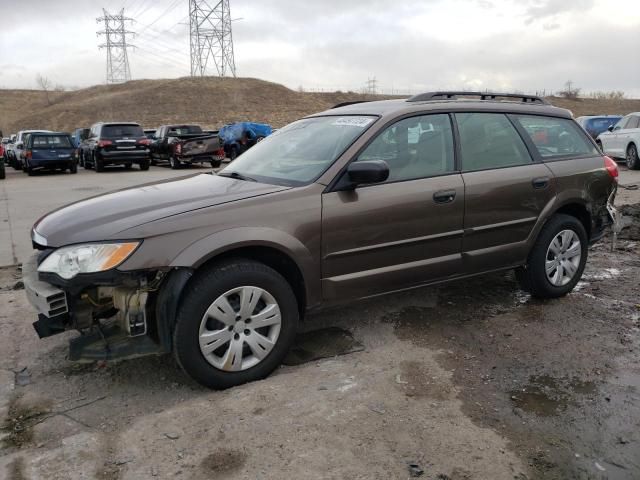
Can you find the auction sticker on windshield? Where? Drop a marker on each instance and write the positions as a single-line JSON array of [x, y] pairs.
[[352, 122]]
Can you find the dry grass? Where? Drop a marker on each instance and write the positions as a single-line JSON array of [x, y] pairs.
[[209, 101]]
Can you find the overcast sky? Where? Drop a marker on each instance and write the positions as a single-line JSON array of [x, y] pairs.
[[524, 45]]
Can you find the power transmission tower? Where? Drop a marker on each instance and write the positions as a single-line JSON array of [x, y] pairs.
[[211, 38], [115, 33], [372, 86]]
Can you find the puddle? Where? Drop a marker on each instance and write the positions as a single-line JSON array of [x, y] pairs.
[[325, 343], [546, 396]]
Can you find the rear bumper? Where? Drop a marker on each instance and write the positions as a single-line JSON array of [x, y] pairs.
[[57, 163], [202, 158], [122, 157]]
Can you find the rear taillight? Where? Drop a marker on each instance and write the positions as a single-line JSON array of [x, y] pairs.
[[104, 143], [144, 141], [178, 148], [29, 154], [612, 167]]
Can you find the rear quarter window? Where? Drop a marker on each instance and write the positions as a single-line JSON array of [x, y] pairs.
[[556, 138]]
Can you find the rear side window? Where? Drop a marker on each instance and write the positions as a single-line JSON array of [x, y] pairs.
[[51, 141], [556, 137], [120, 131], [489, 140], [185, 130]]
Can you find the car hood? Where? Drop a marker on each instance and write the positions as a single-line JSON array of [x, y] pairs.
[[105, 216]]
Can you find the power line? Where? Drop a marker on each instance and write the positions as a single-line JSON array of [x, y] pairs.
[[211, 38], [115, 33]]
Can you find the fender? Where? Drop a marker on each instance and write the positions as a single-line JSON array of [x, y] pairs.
[[555, 204], [199, 252]]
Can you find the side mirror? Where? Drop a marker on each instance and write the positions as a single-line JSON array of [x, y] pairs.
[[610, 128], [366, 172], [20, 146]]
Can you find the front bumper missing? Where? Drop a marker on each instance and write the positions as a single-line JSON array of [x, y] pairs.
[[48, 300], [616, 225]]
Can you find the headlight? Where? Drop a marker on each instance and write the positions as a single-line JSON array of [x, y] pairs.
[[67, 262]]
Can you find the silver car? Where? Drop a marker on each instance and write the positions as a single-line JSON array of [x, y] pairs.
[[622, 140]]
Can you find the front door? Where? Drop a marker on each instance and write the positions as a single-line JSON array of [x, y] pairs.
[[401, 233]]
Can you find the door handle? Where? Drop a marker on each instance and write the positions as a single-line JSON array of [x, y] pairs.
[[540, 183], [444, 196]]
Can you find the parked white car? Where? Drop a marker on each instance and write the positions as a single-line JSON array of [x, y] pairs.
[[623, 140]]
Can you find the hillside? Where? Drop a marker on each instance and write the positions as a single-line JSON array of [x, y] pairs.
[[209, 101]]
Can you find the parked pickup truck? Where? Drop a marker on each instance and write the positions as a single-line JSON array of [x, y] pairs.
[[185, 144]]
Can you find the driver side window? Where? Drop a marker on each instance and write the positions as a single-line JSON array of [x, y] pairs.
[[413, 148]]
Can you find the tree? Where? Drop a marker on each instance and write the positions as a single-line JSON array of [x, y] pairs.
[[45, 84], [570, 91]]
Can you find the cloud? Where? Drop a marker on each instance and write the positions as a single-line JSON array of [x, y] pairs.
[[545, 9]]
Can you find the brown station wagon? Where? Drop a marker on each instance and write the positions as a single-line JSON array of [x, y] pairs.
[[360, 200]]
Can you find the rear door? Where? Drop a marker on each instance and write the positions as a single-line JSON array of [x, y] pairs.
[[51, 147], [612, 142], [401, 233], [505, 189]]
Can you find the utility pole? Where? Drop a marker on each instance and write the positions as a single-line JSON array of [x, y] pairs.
[[372, 86], [115, 33], [211, 38]]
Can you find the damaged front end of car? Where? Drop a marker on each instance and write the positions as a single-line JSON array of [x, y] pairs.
[[115, 312]]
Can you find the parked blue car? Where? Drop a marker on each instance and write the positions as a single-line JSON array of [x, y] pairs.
[[239, 137], [596, 124], [49, 151]]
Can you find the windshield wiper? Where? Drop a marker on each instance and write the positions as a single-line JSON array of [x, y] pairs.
[[237, 176]]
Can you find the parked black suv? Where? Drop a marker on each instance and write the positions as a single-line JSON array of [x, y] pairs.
[[118, 143]]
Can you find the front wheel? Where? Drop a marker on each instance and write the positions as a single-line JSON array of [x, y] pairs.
[[557, 259], [633, 163], [236, 324]]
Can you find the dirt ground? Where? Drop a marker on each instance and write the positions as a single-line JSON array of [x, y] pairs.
[[469, 380]]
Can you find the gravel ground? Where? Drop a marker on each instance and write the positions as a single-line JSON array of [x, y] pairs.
[[469, 380]]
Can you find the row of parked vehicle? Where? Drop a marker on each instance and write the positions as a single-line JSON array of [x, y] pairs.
[[617, 136], [126, 143]]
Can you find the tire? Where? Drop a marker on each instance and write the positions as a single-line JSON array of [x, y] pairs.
[[599, 144], [216, 164], [28, 169], [3, 173], [97, 164], [73, 168], [207, 288], [233, 153], [144, 165], [127, 166], [633, 163], [174, 163], [81, 159], [561, 231]]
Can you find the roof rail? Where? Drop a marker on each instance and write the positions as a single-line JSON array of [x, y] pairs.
[[346, 104], [484, 96]]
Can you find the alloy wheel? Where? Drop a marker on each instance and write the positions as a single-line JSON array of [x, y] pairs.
[[563, 258], [240, 328], [632, 157]]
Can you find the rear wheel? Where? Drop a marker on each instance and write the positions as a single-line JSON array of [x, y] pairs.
[[633, 163], [3, 172], [174, 163], [97, 163], [73, 168], [557, 259], [236, 324], [144, 164], [28, 168]]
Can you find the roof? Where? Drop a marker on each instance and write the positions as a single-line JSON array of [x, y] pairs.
[[403, 106]]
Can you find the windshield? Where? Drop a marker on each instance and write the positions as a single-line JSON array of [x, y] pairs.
[[298, 153], [119, 131]]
